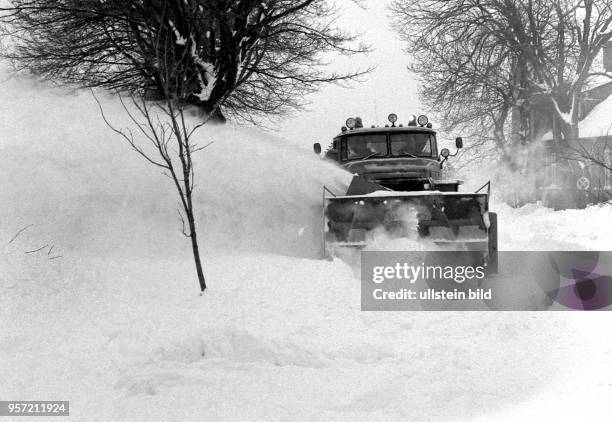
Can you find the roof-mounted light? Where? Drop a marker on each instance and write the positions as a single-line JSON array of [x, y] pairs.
[[412, 121], [351, 122], [422, 120], [392, 118]]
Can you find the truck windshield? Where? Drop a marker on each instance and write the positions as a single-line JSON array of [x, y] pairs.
[[362, 146], [412, 144]]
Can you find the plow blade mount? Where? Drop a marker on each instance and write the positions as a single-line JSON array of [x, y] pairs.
[[451, 220]]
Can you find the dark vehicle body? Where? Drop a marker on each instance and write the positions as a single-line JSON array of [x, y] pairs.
[[416, 169], [398, 184]]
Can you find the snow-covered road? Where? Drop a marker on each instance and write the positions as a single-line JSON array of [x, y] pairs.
[[279, 338]]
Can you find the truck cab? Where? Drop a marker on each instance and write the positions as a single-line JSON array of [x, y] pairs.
[[399, 158]]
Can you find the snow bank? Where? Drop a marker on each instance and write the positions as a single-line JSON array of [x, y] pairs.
[[533, 227], [83, 188], [275, 338]]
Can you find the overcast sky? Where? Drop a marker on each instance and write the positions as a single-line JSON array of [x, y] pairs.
[[389, 89]]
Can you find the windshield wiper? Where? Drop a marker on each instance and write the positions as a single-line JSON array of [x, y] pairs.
[[371, 155]]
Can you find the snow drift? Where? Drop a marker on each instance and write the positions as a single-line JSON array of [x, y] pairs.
[[70, 176]]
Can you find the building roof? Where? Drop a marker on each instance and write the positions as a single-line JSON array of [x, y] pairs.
[[596, 124]]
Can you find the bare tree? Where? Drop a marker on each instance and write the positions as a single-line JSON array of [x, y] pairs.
[[596, 153], [468, 75], [583, 29], [493, 56], [165, 128], [247, 57]]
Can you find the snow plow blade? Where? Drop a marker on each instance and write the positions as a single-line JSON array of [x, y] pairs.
[[451, 220]]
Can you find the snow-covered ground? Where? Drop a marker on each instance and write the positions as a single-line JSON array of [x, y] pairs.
[[114, 322]]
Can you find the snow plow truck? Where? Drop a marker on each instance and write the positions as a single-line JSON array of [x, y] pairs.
[[398, 186]]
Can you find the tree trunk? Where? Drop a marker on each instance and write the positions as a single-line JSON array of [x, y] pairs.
[[196, 250], [214, 114], [570, 133]]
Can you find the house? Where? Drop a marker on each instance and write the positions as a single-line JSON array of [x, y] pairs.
[[580, 172], [575, 174]]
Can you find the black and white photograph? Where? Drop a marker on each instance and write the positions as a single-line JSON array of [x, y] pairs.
[[305, 210]]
